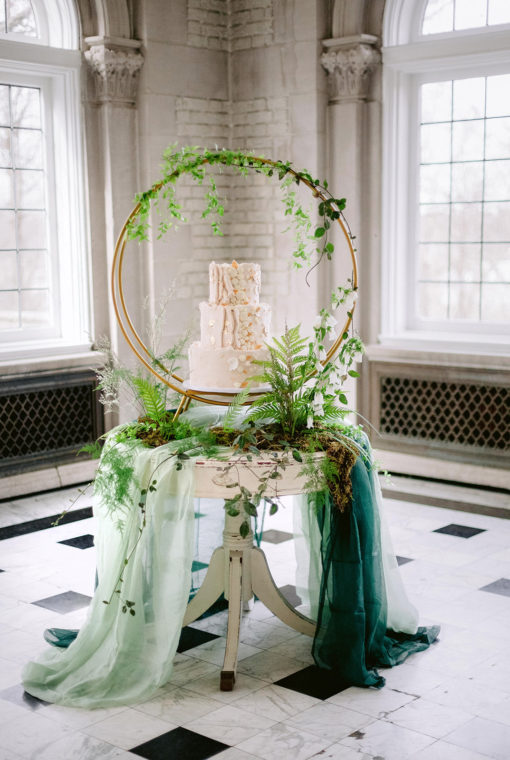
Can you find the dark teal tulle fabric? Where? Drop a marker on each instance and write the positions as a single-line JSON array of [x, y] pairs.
[[352, 639]]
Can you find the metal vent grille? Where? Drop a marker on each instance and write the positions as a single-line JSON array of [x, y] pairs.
[[45, 420], [456, 414]]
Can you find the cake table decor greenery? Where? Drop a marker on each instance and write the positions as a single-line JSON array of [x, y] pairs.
[[292, 436]]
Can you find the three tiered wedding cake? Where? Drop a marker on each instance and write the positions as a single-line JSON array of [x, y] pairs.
[[233, 329]]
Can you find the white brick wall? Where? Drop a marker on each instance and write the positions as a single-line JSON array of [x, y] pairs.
[[229, 24]]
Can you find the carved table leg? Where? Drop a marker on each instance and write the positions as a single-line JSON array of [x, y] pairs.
[[266, 590], [211, 588], [228, 674]]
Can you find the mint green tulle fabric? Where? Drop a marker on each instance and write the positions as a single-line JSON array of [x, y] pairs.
[[118, 658]]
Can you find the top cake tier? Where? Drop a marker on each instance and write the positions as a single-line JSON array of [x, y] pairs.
[[234, 284]]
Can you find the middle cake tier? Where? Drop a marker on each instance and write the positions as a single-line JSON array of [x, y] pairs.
[[244, 327]]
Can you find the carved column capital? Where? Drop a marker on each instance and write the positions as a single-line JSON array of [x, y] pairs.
[[115, 70], [350, 62]]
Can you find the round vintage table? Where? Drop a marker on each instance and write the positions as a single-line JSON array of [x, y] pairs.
[[238, 569]]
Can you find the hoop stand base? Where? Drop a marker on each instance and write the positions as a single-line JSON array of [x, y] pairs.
[[239, 570]]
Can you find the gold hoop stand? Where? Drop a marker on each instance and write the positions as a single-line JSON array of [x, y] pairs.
[[140, 349]]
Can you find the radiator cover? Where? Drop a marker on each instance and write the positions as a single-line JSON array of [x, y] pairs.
[[46, 418], [453, 413]]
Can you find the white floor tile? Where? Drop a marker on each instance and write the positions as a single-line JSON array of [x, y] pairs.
[[387, 740], [484, 736], [276, 702], [284, 742], [128, 728], [230, 724]]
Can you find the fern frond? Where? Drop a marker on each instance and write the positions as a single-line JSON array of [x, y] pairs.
[[151, 396], [234, 409]]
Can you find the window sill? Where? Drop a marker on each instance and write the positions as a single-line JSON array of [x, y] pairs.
[[448, 349], [48, 358]]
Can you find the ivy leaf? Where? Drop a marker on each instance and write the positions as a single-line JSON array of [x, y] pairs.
[[244, 529], [353, 373], [273, 509], [297, 455], [319, 232]]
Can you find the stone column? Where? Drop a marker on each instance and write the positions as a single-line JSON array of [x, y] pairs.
[[354, 171], [352, 138], [113, 67]]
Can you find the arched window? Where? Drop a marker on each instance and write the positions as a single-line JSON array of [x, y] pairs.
[[43, 288], [447, 172]]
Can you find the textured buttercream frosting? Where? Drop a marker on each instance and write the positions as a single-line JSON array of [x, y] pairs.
[[234, 327]]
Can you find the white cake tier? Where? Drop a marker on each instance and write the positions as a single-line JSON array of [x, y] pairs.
[[244, 327], [231, 284], [223, 367]]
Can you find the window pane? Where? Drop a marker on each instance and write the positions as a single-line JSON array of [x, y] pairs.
[[26, 109], [497, 180], [499, 12], [433, 261], [9, 315], [497, 138], [27, 149], [438, 17], [435, 183], [2, 17], [470, 13], [496, 303], [498, 95], [467, 140], [465, 262], [29, 189], [5, 147], [464, 301], [467, 181], [469, 98], [5, 119], [496, 262], [435, 143], [496, 222], [34, 269], [31, 229], [7, 229], [35, 308], [20, 17], [9, 268], [433, 300], [466, 226], [434, 223], [6, 189], [436, 101]]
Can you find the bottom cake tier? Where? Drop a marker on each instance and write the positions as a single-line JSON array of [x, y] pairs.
[[223, 367]]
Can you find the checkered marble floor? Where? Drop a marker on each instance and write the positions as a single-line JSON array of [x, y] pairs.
[[451, 702]]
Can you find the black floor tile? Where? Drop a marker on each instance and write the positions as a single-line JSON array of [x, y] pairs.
[[198, 566], [276, 536], [314, 682], [462, 531], [69, 601], [11, 531], [179, 744], [2, 571], [501, 586], [193, 637], [80, 542], [290, 594], [403, 560], [18, 696]]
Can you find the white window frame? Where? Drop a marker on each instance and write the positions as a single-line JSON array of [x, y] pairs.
[[57, 73], [409, 60]]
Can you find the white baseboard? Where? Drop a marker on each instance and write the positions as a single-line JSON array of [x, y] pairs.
[[49, 479]]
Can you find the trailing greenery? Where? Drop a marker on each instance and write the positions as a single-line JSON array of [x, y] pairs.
[[311, 239]]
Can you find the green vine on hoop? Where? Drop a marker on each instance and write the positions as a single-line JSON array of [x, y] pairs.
[[193, 161]]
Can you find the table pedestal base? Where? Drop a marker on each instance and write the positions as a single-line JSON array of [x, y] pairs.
[[239, 570]]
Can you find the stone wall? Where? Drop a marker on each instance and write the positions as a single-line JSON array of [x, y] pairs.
[[238, 74]]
